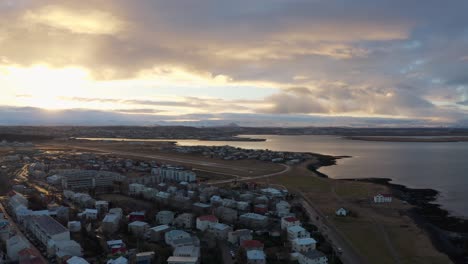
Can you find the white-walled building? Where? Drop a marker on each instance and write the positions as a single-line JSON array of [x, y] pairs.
[[44, 228], [297, 232], [341, 212], [303, 244], [288, 221], [206, 221], [383, 198]]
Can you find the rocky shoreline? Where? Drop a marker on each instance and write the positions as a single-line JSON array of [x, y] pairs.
[[449, 234]]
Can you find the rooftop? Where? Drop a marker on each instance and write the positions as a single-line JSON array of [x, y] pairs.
[[305, 241], [313, 254], [296, 229], [48, 224], [290, 219], [252, 244], [210, 218], [255, 255]]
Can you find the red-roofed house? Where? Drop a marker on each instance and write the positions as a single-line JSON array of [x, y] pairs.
[[206, 221], [288, 221], [252, 245]]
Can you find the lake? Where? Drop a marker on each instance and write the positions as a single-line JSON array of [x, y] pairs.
[[439, 166]]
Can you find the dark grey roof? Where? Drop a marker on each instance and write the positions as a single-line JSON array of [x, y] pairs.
[[313, 254], [49, 225]]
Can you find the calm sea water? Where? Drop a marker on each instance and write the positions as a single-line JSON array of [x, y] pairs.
[[440, 166]]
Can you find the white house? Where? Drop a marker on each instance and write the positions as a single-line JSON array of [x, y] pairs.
[[206, 221], [312, 257], [297, 232], [288, 221], [303, 244], [383, 198], [341, 212]]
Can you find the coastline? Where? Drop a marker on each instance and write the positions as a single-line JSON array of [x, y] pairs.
[[435, 139], [449, 234]]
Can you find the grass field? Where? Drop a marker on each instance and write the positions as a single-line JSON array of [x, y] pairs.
[[410, 243]]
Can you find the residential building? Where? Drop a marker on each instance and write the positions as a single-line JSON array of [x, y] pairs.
[[182, 260], [252, 245], [66, 248], [74, 226], [256, 257], [288, 221], [226, 214], [14, 245], [145, 257], [383, 198], [173, 235], [297, 232], [184, 220], [341, 212], [283, 208], [206, 221], [90, 214], [253, 220], [102, 207], [164, 217], [303, 244], [119, 260], [187, 251], [135, 189], [220, 230], [77, 260], [157, 232], [312, 257], [44, 228], [138, 228], [110, 224], [88, 179], [240, 235]]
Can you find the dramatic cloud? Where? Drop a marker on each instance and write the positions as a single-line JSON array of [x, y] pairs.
[[360, 59]]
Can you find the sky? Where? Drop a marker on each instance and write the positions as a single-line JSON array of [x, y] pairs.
[[215, 62]]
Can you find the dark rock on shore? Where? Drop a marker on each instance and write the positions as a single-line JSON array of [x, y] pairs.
[[449, 234]]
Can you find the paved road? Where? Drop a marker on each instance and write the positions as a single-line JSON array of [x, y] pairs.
[[349, 254]]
